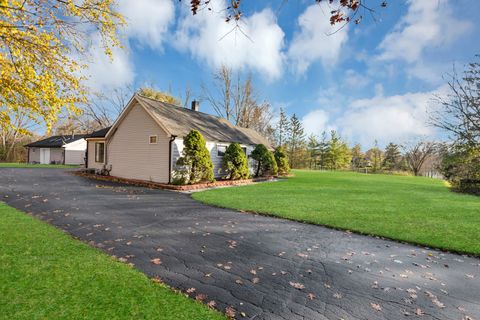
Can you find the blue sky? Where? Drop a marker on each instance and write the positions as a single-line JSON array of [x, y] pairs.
[[369, 81]]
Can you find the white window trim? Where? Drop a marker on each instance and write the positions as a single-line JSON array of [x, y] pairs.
[[150, 139], [221, 145], [95, 155]]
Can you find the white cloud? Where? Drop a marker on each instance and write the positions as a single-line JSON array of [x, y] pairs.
[[315, 41], [148, 21], [102, 72], [395, 118], [427, 24], [316, 121], [354, 80], [257, 45]]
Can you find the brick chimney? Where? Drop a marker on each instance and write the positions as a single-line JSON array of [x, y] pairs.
[[195, 105]]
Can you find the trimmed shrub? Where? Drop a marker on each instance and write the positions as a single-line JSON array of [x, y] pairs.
[[282, 161], [266, 164], [196, 162], [235, 162]]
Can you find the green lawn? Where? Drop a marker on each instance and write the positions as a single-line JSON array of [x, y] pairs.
[[45, 274], [27, 165], [414, 209]]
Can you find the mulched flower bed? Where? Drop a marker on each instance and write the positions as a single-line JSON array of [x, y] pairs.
[[156, 185]]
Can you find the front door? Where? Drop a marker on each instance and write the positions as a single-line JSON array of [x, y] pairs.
[[44, 155]]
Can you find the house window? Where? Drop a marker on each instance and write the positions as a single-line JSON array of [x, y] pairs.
[[221, 150], [153, 139], [99, 152], [33, 150]]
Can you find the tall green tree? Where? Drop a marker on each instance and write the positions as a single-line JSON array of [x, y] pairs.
[[296, 142], [338, 153], [266, 164], [282, 128], [282, 161], [392, 157], [323, 150], [196, 159], [312, 147], [235, 162]]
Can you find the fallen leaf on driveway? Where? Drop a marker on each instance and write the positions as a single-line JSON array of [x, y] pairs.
[[297, 285], [419, 312], [302, 255], [230, 312], [156, 261], [191, 290], [337, 295], [157, 279], [255, 280], [253, 271], [238, 281], [200, 297], [376, 306], [311, 296], [211, 304]]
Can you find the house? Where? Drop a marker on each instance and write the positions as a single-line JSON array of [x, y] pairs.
[[67, 149], [146, 140]]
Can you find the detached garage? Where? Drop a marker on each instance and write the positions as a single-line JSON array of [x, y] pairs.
[[58, 150]]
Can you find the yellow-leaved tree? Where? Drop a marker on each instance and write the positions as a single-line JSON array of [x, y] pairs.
[[159, 95], [40, 44]]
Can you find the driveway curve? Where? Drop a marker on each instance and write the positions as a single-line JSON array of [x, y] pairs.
[[254, 266]]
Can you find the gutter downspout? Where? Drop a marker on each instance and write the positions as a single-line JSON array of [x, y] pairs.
[[172, 138]]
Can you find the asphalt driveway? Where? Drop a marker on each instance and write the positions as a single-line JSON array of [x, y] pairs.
[[261, 267]]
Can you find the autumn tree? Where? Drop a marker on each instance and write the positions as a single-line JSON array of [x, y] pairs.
[[158, 95], [322, 152], [417, 153], [40, 42], [195, 162], [233, 97], [341, 12], [312, 147], [358, 157], [235, 162], [295, 142], [375, 157]]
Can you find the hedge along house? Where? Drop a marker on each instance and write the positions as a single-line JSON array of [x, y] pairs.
[[146, 140], [58, 150]]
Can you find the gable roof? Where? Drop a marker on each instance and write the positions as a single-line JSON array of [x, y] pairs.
[[99, 133], [56, 141], [178, 121]]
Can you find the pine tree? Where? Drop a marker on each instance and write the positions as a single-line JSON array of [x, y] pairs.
[[338, 154], [296, 141], [393, 157], [196, 159], [282, 128], [235, 162]]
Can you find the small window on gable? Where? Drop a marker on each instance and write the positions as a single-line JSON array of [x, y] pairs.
[[153, 139], [221, 150], [99, 152]]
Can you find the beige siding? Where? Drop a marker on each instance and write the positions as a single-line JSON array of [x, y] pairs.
[[34, 155], [75, 157], [131, 155], [92, 164], [56, 155]]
